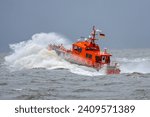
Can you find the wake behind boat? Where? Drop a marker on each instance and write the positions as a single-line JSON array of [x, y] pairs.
[[88, 53]]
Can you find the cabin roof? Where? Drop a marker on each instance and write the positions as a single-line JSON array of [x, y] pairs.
[[105, 54], [81, 44]]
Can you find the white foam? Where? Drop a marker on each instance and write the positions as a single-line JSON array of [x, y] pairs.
[[32, 53], [140, 65]]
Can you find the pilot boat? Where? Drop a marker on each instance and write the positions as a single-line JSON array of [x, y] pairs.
[[88, 53]]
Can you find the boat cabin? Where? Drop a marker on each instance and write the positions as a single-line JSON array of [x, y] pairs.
[[90, 53]]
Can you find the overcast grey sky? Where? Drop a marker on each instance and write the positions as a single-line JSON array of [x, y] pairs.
[[126, 23]]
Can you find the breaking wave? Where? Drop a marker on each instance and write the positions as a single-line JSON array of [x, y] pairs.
[[33, 53], [140, 65]]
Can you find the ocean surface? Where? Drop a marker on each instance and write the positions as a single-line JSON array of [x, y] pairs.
[[29, 71]]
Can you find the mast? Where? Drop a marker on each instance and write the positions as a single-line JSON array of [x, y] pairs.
[[93, 34]]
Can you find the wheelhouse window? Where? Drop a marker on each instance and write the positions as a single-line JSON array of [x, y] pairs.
[[78, 49], [88, 56], [98, 59], [103, 59], [75, 47]]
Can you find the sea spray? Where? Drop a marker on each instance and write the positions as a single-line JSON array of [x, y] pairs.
[[32, 53]]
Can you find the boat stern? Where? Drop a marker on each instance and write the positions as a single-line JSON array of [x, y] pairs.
[[113, 69]]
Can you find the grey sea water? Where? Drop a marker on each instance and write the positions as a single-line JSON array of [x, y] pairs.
[[63, 83]]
